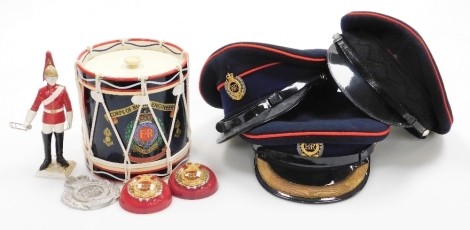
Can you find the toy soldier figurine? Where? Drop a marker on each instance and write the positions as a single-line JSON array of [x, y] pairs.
[[54, 98]]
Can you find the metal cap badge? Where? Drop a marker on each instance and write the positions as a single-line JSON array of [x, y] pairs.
[[88, 194]]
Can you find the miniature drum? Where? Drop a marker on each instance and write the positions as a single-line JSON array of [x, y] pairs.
[[133, 96]]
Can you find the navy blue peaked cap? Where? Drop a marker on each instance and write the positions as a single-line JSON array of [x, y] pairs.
[[324, 116], [318, 152], [255, 82], [386, 69]]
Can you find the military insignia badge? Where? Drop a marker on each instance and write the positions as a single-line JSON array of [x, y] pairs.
[[193, 176], [145, 187], [88, 194], [145, 193], [235, 87], [107, 139], [147, 142], [310, 149], [192, 181]]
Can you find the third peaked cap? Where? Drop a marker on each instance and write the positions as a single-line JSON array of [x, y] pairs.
[[386, 69]]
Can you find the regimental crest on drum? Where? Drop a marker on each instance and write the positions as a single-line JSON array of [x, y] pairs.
[[310, 149], [147, 138], [235, 87]]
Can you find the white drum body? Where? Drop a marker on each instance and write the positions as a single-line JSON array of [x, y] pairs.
[[134, 107]]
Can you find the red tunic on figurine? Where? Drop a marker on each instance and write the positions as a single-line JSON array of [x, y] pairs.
[[54, 98]]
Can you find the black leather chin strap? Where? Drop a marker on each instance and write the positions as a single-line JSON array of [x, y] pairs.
[[265, 104], [420, 130], [311, 162]]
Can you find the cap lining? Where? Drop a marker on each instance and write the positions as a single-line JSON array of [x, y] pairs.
[[412, 31]]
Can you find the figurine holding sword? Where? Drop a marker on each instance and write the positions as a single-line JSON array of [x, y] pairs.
[[55, 100]]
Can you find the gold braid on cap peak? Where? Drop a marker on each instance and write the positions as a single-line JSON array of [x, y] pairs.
[[50, 71]]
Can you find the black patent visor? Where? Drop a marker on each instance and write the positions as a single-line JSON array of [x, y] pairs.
[[299, 161], [364, 91], [267, 109]]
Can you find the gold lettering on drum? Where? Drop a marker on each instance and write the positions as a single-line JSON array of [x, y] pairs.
[[162, 107], [132, 108]]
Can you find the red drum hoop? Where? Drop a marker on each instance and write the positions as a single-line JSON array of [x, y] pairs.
[[133, 96]]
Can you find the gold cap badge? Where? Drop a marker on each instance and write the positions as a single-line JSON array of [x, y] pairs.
[[235, 87], [310, 149]]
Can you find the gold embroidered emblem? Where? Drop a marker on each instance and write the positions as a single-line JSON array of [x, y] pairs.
[[144, 187], [177, 128], [193, 176], [351, 182], [107, 137], [177, 125], [235, 87], [310, 149]]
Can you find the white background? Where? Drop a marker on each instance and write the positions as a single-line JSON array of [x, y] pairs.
[[413, 183]]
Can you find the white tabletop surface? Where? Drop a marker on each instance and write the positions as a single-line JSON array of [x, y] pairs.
[[414, 184]]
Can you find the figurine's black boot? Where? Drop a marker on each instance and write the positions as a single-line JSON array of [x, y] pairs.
[[59, 146], [46, 138]]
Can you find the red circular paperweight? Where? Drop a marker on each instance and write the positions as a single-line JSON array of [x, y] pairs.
[[144, 194], [192, 181]]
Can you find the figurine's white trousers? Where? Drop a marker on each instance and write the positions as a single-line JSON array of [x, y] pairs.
[[48, 128]]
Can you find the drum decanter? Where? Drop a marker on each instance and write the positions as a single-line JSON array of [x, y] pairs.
[[134, 107]]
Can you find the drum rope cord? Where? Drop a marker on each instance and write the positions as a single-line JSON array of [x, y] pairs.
[[118, 166], [113, 126], [99, 100], [95, 114], [161, 44], [186, 106], [84, 128], [127, 161], [167, 143], [126, 153], [133, 85], [177, 90], [186, 110]]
